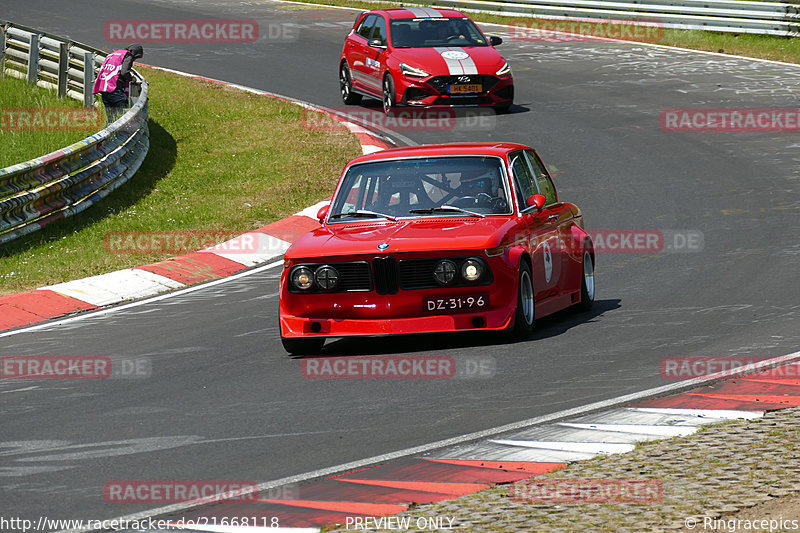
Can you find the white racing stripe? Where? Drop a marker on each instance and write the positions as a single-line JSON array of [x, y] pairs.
[[420, 12], [458, 67]]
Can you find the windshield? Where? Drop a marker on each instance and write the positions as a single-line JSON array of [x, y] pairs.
[[441, 186], [430, 32]]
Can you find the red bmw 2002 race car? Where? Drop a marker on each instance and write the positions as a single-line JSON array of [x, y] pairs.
[[423, 57], [436, 238]]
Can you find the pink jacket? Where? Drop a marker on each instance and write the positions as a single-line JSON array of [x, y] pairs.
[[108, 74]]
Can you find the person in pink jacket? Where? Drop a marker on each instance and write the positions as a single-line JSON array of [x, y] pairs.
[[114, 78]]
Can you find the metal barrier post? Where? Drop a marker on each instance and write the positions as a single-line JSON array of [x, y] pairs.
[[2, 49], [33, 59], [88, 79], [63, 67]]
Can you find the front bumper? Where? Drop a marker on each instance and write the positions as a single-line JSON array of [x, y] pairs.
[[294, 326], [366, 312], [431, 93]]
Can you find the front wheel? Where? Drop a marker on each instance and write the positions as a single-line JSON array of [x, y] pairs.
[[388, 95], [301, 347], [524, 317], [346, 86], [587, 283]]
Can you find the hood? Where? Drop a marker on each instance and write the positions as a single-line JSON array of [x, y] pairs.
[[481, 60], [136, 50], [413, 235]]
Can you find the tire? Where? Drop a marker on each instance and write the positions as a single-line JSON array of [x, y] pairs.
[[300, 347], [502, 109], [587, 283], [388, 99], [524, 319], [346, 86]]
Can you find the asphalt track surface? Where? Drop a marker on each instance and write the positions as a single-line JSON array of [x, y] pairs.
[[224, 402]]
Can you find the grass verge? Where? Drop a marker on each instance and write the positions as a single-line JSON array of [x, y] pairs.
[[221, 161], [24, 134], [757, 46]]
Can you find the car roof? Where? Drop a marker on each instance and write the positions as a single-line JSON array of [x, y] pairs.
[[419, 12], [434, 150]]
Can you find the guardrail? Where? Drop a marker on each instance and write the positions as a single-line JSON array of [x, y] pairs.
[[768, 18], [69, 180]]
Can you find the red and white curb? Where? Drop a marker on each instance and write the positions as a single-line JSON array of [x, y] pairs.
[[390, 484], [271, 241]]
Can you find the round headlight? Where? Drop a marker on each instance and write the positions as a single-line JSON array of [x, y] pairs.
[[471, 270], [444, 272], [302, 278], [326, 277]]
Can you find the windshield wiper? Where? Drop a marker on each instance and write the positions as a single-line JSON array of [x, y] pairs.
[[364, 213], [446, 208]]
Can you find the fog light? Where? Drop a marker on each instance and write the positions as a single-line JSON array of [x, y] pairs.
[[471, 270], [326, 277], [445, 272], [303, 278]]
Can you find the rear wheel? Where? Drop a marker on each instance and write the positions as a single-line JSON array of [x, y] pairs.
[[524, 318], [388, 94], [346, 86], [587, 283], [300, 347]]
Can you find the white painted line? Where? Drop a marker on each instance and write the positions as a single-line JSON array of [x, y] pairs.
[[115, 287], [628, 415], [660, 431], [116, 309], [593, 448], [719, 414]]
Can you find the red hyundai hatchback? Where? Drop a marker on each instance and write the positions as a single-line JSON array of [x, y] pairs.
[[423, 57], [436, 238]]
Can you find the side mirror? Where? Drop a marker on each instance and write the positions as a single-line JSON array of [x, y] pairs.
[[494, 40], [322, 214], [537, 201], [376, 43]]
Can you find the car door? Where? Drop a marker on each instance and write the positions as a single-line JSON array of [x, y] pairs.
[[570, 266], [376, 56], [542, 228], [357, 53]]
